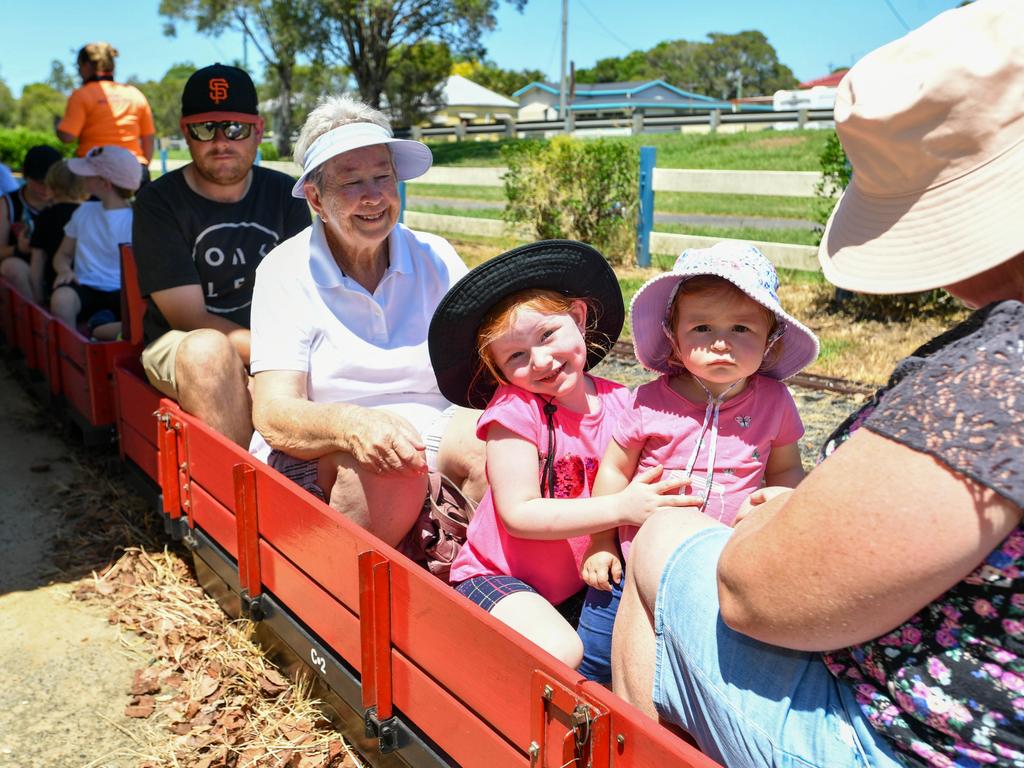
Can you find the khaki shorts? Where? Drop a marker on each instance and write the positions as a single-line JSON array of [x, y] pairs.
[[158, 362]]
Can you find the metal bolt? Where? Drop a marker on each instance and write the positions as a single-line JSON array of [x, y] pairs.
[[620, 740], [534, 752], [183, 466], [548, 692]]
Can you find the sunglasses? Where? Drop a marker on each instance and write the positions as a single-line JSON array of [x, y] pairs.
[[232, 130]]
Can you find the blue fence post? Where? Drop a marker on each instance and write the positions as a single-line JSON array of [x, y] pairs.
[[163, 160], [645, 216], [401, 198]]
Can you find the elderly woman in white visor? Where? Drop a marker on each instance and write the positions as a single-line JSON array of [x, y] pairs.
[[345, 401]]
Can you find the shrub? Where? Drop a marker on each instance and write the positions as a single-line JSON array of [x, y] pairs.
[[268, 151], [581, 190], [836, 173], [15, 142]]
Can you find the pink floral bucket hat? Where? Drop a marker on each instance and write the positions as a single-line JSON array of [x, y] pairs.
[[748, 269]]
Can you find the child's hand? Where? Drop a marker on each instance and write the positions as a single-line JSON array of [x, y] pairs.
[[756, 499], [601, 568], [64, 277], [647, 493]]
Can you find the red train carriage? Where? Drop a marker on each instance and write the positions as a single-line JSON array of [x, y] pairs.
[[415, 674]]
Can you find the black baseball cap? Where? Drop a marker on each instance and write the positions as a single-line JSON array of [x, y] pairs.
[[219, 92], [38, 160]]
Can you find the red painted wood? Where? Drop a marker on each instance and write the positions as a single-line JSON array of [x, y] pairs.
[[139, 450], [210, 459], [53, 364], [167, 461], [22, 327], [133, 306], [6, 312], [441, 716], [431, 623], [214, 518], [137, 401], [247, 524], [329, 619], [39, 322], [309, 533], [375, 632]]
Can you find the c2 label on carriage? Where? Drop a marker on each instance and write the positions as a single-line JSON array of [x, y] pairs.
[[318, 661]]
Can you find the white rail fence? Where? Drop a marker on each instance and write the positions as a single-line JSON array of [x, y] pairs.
[[779, 183]]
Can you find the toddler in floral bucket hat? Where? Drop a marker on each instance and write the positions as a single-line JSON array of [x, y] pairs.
[[791, 346]]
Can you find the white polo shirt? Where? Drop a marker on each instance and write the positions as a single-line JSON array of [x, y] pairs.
[[355, 347]]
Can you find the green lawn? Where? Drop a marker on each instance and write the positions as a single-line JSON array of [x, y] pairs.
[[664, 202], [793, 236], [766, 150]]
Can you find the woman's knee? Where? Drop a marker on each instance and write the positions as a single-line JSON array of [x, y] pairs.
[[14, 268], [655, 542], [385, 505]]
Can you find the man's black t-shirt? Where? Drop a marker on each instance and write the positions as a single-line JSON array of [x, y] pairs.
[[182, 238]]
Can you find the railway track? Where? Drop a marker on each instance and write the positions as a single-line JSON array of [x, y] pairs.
[[622, 352]]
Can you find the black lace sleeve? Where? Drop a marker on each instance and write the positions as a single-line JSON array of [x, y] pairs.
[[962, 401]]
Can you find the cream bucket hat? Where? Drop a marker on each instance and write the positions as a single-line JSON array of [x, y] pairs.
[[933, 125]]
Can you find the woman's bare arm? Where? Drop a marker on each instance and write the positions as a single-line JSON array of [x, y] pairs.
[[868, 538]]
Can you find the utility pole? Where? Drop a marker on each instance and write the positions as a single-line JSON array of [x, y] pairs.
[[563, 91]]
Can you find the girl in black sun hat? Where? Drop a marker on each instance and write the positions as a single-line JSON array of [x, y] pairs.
[[516, 336]]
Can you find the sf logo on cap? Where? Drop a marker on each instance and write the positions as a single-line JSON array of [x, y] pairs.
[[218, 89]]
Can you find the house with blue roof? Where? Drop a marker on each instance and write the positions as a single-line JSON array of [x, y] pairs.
[[540, 101]]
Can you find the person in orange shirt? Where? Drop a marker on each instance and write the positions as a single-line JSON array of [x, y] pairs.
[[103, 112]]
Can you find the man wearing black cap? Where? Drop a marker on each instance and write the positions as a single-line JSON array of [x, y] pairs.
[[18, 210], [199, 233]]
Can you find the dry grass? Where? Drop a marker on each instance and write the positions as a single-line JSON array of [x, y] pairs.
[[222, 704], [210, 697]]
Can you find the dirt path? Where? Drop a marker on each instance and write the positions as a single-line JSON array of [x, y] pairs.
[[64, 668]]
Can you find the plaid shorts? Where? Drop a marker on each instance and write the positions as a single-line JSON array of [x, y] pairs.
[[302, 472], [487, 591]]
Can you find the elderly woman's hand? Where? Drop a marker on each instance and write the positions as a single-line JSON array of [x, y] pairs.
[[385, 442]]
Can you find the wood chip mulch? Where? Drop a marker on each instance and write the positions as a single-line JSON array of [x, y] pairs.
[[226, 705]]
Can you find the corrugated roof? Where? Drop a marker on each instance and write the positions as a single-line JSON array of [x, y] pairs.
[[461, 92]]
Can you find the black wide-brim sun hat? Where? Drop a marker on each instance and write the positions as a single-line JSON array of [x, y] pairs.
[[571, 268]]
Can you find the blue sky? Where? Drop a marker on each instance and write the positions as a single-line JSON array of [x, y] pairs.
[[810, 37]]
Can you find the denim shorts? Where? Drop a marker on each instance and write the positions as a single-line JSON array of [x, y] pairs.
[[747, 703]]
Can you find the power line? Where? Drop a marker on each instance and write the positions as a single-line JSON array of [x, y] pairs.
[[607, 31], [906, 27]]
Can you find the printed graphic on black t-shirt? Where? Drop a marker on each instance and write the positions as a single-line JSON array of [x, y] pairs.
[[225, 256], [181, 238]]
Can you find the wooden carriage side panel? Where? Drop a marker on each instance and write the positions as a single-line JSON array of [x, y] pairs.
[[319, 540], [22, 331], [214, 518], [493, 664], [7, 313], [137, 424], [39, 326], [211, 457]]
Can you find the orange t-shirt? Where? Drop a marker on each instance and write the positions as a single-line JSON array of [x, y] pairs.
[[104, 112]]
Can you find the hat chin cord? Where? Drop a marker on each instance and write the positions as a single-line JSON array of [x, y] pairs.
[[711, 413], [547, 475]]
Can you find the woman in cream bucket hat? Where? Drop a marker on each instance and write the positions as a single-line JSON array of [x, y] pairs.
[[345, 400], [874, 616]]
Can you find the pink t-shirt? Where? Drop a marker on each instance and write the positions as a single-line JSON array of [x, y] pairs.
[[550, 567], [666, 425]]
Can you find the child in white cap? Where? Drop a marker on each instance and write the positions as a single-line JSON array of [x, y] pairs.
[[719, 416], [88, 262]]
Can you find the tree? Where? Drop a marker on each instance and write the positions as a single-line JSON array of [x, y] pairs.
[[744, 63], [8, 106], [310, 83], [490, 75], [417, 78], [366, 35], [60, 78], [277, 28], [38, 106], [720, 67], [164, 97]]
